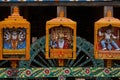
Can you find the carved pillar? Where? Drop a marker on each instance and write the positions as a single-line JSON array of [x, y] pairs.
[[106, 9], [62, 8]]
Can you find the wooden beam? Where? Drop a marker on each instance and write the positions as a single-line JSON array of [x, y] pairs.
[[73, 3]]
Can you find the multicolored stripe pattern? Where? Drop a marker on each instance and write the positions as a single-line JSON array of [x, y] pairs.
[[59, 71], [47, 0]]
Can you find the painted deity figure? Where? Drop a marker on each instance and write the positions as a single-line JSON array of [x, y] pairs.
[[62, 42], [61, 38], [22, 39], [108, 41], [14, 39], [53, 43], [53, 40], [7, 40]]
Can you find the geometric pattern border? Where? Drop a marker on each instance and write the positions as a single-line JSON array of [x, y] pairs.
[[59, 71], [44, 0]]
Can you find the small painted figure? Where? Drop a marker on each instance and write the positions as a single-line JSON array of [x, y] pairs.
[[107, 42], [14, 38], [53, 43], [22, 39], [62, 43], [7, 40]]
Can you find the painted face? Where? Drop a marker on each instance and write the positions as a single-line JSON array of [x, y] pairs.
[[108, 31], [61, 39], [14, 35]]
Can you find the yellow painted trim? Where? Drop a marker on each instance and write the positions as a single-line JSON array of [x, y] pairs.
[[50, 24], [10, 52], [15, 21], [103, 23]]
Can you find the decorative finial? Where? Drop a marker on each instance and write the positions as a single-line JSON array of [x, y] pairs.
[[61, 14], [109, 14], [15, 11]]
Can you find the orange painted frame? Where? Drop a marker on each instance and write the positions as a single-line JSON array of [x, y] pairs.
[[16, 21], [103, 22], [57, 22]]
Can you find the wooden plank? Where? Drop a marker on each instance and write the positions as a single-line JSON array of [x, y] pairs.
[[75, 3]]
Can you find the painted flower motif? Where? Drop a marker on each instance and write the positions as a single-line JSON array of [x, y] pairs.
[[9, 72], [87, 70], [67, 71], [106, 71], [28, 72], [47, 71]]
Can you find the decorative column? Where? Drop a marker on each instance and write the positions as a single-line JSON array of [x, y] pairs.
[[107, 8], [108, 62], [62, 8]]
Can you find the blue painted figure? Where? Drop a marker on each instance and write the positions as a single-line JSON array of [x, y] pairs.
[[7, 40], [53, 43], [107, 42], [14, 39], [21, 39]]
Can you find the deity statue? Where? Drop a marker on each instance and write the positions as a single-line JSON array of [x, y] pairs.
[[108, 41]]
